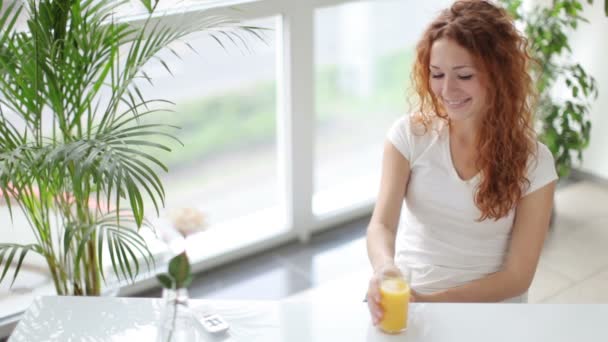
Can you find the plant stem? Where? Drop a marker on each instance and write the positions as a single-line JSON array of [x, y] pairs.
[[87, 268], [174, 318], [95, 283], [53, 268]]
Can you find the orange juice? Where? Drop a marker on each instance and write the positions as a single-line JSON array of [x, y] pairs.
[[395, 300]]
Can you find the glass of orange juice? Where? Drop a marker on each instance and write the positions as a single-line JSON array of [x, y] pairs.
[[395, 299]]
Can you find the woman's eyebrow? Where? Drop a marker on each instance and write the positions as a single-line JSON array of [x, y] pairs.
[[454, 68]]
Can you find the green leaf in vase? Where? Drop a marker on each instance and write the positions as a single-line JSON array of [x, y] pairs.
[[179, 269], [166, 281]]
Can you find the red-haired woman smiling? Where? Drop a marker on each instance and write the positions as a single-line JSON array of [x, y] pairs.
[[467, 190]]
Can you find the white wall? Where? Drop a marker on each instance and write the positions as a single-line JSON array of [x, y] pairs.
[[590, 47]]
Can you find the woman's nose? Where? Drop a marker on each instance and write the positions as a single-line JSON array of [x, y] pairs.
[[448, 88]]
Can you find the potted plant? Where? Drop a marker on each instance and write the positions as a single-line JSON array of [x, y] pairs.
[[74, 153], [563, 121]]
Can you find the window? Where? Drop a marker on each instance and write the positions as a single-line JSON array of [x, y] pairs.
[[363, 56], [226, 111]]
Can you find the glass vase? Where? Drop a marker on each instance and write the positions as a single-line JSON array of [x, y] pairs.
[[178, 322]]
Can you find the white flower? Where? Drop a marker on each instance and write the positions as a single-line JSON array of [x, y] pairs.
[[187, 221]]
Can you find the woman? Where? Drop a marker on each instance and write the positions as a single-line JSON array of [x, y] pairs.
[[477, 186]]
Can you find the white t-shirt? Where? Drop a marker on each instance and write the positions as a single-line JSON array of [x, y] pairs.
[[439, 238]]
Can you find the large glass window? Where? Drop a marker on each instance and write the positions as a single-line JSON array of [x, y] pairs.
[[226, 110], [363, 56]]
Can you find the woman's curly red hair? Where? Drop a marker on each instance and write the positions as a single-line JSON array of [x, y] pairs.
[[507, 138]]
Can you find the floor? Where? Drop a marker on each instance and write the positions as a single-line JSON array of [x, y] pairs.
[[573, 266]]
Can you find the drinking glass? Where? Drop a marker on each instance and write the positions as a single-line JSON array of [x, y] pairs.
[[395, 298]]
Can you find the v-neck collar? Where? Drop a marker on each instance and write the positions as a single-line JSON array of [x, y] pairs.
[[448, 154]]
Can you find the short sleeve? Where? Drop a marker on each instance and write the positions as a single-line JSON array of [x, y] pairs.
[[399, 136], [542, 171]]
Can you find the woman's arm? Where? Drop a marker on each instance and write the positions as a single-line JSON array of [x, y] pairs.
[[382, 228], [528, 235], [385, 219]]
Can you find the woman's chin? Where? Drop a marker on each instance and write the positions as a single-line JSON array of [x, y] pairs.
[[458, 116]]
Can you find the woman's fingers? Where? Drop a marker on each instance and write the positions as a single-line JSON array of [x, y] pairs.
[[373, 300], [375, 310], [413, 295]]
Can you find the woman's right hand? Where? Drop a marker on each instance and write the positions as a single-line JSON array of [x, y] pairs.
[[373, 292]]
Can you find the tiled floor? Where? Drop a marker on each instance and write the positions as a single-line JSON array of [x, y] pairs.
[[573, 266]]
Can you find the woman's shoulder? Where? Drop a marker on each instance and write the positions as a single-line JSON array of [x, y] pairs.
[[542, 155], [420, 125], [413, 133], [541, 167]]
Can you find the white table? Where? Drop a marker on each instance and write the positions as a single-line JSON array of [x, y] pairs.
[[314, 317]]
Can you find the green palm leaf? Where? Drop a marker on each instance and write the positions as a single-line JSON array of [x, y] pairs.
[[10, 250], [80, 64]]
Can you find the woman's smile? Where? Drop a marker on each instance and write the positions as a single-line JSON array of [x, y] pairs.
[[456, 104]]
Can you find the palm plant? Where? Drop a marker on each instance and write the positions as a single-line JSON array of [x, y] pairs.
[[74, 155]]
